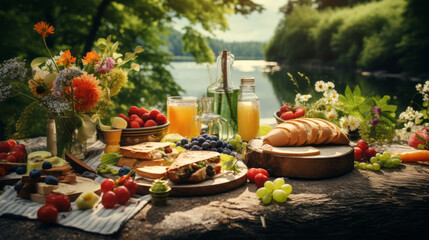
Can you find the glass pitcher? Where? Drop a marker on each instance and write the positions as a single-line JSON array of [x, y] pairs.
[[211, 123]]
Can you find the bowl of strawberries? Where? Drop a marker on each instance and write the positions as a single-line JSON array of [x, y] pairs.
[[287, 112], [143, 126]]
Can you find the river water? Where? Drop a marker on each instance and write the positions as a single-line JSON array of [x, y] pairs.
[[273, 87]]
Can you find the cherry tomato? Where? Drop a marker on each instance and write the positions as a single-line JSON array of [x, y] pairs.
[[108, 199], [217, 160], [251, 174], [47, 214], [122, 195], [260, 179], [108, 185], [261, 170], [59, 201], [218, 168], [131, 186]]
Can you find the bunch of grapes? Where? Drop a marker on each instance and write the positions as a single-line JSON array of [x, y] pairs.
[[207, 143], [379, 161], [277, 190], [103, 169], [238, 144]]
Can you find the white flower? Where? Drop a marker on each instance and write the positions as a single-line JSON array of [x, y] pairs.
[[426, 87], [344, 122], [331, 115], [418, 116], [409, 114], [353, 123], [419, 88], [305, 98], [408, 127], [331, 97], [426, 97], [320, 86], [298, 99], [330, 86]]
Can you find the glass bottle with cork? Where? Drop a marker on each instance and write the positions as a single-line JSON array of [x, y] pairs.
[[225, 92], [209, 122], [248, 110]]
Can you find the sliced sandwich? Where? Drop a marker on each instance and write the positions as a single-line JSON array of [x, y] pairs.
[[146, 154], [194, 166]]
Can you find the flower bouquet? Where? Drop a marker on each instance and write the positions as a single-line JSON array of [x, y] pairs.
[[73, 93]]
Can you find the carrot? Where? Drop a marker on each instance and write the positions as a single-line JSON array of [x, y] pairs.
[[416, 156]]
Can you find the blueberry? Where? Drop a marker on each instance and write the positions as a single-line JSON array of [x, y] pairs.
[[124, 171], [88, 174], [230, 147], [205, 145], [213, 144], [214, 138], [205, 136], [51, 180], [13, 168], [195, 147], [47, 165], [178, 144], [194, 139], [213, 149], [224, 144], [21, 170], [201, 140], [219, 143], [184, 141], [186, 146], [226, 151], [193, 143], [220, 150], [35, 173]]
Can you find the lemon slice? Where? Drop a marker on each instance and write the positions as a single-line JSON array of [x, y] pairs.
[[264, 129], [172, 137]]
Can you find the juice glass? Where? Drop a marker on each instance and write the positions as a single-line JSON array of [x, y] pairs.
[[248, 119], [180, 112]]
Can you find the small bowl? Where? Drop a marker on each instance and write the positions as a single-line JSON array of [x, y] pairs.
[[132, 136], [277, 117]]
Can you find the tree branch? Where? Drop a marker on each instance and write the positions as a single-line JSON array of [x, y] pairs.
[[96, 22]]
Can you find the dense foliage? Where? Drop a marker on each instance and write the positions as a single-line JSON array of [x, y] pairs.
[[387, 34], [133, 22]]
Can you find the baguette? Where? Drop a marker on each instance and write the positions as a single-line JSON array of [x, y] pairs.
[[312, 130]]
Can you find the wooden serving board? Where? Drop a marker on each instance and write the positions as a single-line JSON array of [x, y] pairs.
[[222, 183], [333, 161]]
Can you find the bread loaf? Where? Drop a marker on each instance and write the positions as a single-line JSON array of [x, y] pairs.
[[305, 131]]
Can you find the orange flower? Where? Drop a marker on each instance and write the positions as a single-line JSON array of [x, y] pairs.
[[43, 28], [91, 58], [86, 92], [66, 59]]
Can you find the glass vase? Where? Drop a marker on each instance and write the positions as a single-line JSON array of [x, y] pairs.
[[51, 141], [67, 136]]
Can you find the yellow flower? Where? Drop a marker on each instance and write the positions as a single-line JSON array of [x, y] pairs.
[[38, 86], [116, 79]]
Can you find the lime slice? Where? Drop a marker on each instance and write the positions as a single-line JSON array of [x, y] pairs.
[[172, 137], [263, 130]]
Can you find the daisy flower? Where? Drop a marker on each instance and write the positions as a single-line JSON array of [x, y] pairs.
[[331, 97], [330, 86], [44, 28], [419, 88], [426, 87], [320, 86], [305, 98], [297, 98], [344, 122], [353, 123], [331, 115]]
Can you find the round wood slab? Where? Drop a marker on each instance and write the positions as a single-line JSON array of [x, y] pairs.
[[225, 182], [333, 161]]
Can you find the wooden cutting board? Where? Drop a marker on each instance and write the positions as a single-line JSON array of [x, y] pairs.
[[222, 183], [333, 161]]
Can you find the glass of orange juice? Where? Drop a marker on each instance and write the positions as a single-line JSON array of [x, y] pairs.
[[180, 112]]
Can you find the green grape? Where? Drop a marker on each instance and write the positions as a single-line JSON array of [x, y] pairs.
[[267, 199], [238, 138], [114, 172], [380, 163], [376, 167], [389, 163], [369, 166], [279, 196], [396, 162], [373, 160], [396, 157], [109, 170], [287, 188], [378, 155], [261, 192], [362, 166], [103, 171], [384, 157], [269, 186], [244, 144], [386, 154], [278, 183]]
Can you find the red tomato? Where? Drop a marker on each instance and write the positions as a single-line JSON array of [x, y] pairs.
[[108, 199], [122, 195], [108, 185], [59, 201], [369, 153], [251, 174], [260, 179], [358, 154], [131, 186], [287, 115], [362, 145], [47, 214], [263, 171], [217, 160], [299, 112]]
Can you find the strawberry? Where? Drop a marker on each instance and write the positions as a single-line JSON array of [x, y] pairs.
[[134, 124], [5, 146], [153, 114], [161, 119], [19, 156], [21, 148], [285, 108], [133, 110], [121, 115], [299, 112], [12, 142], [139, 120], [287, 115], [142, 111], [150, 123], [133, 117], [11, 158], [2, 172], [3, 156], [145, 117]]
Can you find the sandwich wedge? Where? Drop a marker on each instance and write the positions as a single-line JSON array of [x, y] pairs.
[[194, 166], [146, 154]]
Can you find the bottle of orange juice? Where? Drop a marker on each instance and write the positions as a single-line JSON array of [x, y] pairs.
[[248, 110]]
